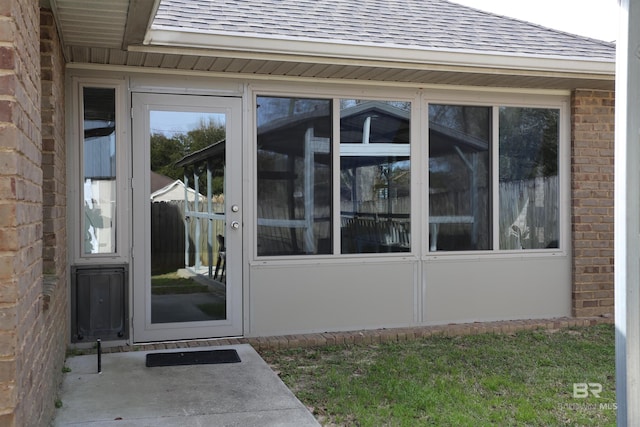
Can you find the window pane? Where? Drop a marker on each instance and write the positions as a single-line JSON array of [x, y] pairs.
[[459, 178], [99, 171], [375, 197], [294, 176], [529, 201]]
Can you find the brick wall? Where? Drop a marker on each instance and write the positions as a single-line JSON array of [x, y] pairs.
[[32, 321], [592, 147], [51, 331]]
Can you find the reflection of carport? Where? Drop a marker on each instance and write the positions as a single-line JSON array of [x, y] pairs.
[[283, 137], [363, 145], [374, 144], [296, 138], [444, 141], [208, 160]]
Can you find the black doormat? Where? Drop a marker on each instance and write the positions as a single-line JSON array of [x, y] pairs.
[[192, 358]]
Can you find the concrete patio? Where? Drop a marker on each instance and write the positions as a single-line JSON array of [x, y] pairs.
[[128, 394]]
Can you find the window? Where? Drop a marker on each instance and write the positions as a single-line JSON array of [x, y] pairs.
[[528, 171], [459, 177], [375, 185], [463, 173], [294, 176], [99, 171]]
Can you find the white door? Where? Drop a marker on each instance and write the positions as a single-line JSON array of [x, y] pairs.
[[187, 239]]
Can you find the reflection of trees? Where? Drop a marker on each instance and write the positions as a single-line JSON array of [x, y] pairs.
[[388, 179], [166, 151], [471, 121], [528, 143], [271, 109], [528, 136]]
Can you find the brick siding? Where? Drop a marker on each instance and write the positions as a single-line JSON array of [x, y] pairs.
[[32, 310], [592, 148], [370, 336]]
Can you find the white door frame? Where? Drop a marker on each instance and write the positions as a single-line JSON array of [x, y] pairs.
[[142, 328]]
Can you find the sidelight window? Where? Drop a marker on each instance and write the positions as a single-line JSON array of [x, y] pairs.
[[98, 220]]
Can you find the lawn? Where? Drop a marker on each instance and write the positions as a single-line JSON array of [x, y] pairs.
[[530, 378], [172, 283]]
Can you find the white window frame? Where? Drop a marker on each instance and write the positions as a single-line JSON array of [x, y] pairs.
[[420, 100], [559, 100], [75, 157], [335, 94]]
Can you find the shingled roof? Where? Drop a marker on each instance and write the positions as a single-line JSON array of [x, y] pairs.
[[437, 25]]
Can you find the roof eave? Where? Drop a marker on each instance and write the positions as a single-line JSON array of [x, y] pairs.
[[266, 47]]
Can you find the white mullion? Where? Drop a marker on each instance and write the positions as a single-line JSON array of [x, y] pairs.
[[564, 182], [424, 183], [335, 173], [495, 177]]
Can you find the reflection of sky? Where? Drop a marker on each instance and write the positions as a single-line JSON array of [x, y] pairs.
[[402, 164], [171, 123], [435, 165]]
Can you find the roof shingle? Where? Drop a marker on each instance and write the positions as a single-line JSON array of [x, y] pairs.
[[418, 24]]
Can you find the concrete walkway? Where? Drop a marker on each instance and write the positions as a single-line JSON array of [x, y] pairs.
[[128, 394]]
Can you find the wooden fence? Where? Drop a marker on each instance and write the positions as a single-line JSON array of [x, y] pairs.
[[168, 236], [528, 218], [529, 214]]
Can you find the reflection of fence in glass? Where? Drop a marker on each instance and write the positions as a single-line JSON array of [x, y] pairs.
[[459, 220], [278, 235], [168, 238], [529, 217], [529, 214], [374, 230]]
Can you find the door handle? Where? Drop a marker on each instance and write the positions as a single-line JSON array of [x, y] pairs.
[[235, 225]]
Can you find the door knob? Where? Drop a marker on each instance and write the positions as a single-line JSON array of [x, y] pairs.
[[235, 225]]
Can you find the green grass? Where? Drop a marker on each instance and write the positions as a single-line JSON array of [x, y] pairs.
[[171, 283], [523, 379], [215, 310]]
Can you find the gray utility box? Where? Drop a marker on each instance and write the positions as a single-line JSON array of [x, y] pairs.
[[99, 303]]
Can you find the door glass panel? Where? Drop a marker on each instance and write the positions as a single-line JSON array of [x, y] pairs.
[[187, 183], [99, 171]]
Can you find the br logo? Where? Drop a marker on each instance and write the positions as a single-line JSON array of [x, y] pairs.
[[582, 390]]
